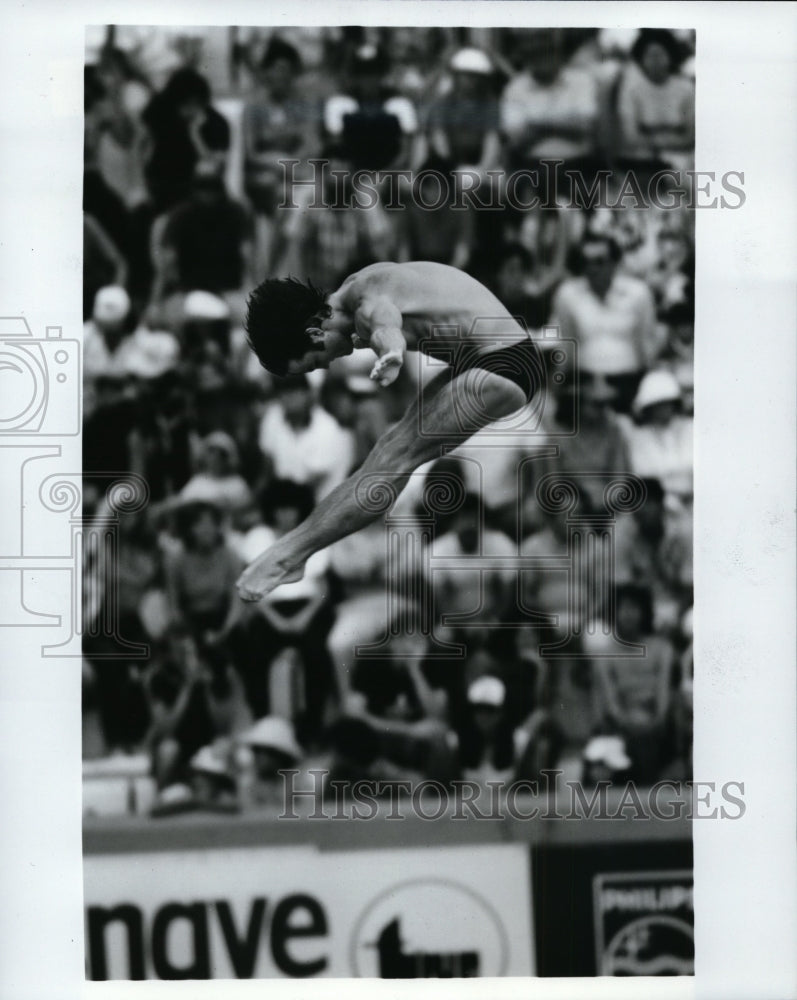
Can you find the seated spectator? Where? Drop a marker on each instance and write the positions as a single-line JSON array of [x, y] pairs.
[[659, 437], [373, 127], [599, 446], [462, 126], [218, 482], [213, 779], [409, 717], [549, 110], [302, 441], [274, 748], [205, 241], [181, 702], [634, 695], [182, 129], [201, 585], [470, 592], [611, 316], [656, 105], [489, 746]]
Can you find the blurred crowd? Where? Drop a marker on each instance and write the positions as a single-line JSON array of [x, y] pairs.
[[184, 149]]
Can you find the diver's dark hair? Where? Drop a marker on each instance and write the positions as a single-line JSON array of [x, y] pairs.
[[278, 314]]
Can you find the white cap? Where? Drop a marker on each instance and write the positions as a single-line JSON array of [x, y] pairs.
[[608, 750], [471, 61], [487, 690], [273, 733], [111, 304], [657, 387], [205, 305]]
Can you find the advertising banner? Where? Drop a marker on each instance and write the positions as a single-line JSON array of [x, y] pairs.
[[300, 912], [644, 923]]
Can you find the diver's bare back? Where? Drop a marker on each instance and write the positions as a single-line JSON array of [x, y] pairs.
[[428, 295]]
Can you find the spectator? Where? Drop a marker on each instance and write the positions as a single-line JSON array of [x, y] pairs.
[[182, 129], [633, 695], [125, 95], [205, 241], [521, 286], [331, 240], [611, 317], [302, 441], [468, 592], [432, 224], [182, 723], [489, 746], [279, 122], [103, 262], [201, 585], [549, 110], [375, 129], [660, 437], [656, 105], [599, 447], [274, 748], [463, 123], [213, 779], [409, 717], [218, 482]]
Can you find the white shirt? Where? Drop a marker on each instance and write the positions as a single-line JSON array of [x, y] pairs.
[[570, 100], [320, 454], [617, 334], [663, 453]]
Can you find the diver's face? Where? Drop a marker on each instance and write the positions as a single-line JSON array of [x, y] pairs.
[[327, 345]]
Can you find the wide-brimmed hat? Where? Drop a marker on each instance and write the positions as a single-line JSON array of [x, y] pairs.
[[273, 733], [656, 387]]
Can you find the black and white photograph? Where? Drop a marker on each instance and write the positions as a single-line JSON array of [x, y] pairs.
[[370, 520]]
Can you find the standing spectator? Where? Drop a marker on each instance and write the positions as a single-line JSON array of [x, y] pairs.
[[302, 441], [611, 316], [182, 129]]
